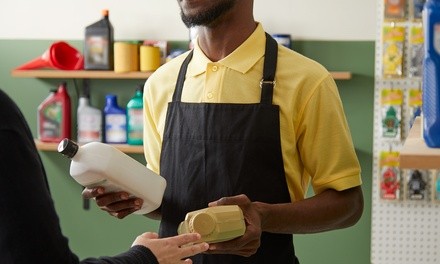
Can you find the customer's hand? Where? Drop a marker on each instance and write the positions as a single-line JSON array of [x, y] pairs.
[[117, 204], [247, 244], [172, 250]]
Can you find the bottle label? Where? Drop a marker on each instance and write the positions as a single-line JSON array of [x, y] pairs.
[[97, 50], [135, 123], [115, 128], [436, 38], [89, 128], [50, 121]]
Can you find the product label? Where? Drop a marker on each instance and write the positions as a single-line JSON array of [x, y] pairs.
[[135, 123], [97, 50], [89, 128], [115, 128], [50, 121]]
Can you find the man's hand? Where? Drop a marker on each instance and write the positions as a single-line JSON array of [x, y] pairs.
[[117, 204], [247, 244]]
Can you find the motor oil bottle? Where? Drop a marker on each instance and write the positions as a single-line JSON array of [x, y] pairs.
[[214, 224], [115, 121], [135, 118], [98, 44], [431, 74], [54, 116], [97, 164], [89, 118]]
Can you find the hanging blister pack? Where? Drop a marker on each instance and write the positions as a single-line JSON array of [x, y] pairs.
[[417, 185], [391, 113], [389, 175], [414, 105], [416, 40], [395, 10], [393, 50]]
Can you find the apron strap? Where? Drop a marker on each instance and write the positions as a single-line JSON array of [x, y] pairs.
[[181, 78], [270, 65]]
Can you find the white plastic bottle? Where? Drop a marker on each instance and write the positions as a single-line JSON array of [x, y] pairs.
[[98, 164], [89, 119]]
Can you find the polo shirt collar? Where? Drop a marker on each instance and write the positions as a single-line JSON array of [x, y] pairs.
[[241, 59]]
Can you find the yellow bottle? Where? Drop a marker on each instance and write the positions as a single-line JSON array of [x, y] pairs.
[[215, 224]]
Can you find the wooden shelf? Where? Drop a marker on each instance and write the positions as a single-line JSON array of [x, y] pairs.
[[45, 146], [415, 153], [57, 74], [341, 75]]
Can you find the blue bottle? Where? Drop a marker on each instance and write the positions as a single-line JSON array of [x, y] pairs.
[[115, 121], [431, 74]]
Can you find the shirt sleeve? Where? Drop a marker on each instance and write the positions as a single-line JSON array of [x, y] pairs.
[[325, 142]]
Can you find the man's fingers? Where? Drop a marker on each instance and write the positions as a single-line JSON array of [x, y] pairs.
[[231, 200], [93, 192]]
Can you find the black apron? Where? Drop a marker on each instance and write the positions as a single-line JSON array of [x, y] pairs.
[[211, 151]]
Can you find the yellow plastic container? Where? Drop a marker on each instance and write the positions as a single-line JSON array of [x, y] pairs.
[[215, 224]]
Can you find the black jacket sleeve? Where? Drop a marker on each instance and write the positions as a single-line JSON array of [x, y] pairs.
[[136, 255], [29, 226]]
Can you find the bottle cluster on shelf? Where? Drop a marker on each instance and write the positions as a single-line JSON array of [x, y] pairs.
[[113, 124]]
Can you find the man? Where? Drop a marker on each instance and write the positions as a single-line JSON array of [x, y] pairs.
[[242, 120], [29, 226]]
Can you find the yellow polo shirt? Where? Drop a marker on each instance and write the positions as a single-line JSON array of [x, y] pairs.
[[316, 143]]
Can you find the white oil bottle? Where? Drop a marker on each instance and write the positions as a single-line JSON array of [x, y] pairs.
[[89, 118], [97, 164]]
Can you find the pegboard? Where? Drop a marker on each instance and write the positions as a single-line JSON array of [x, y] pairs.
[[403, 231]]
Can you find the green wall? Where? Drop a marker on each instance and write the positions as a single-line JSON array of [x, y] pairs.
[[94, 233]]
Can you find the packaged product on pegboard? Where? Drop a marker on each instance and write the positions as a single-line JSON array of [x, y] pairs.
[[414, 105], [416, 40], [393, 50], [391, 113], [416, 9], [395, 10], [389, 175], [416, 185]]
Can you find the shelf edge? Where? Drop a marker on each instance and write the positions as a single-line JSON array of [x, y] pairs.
[[50, 146]]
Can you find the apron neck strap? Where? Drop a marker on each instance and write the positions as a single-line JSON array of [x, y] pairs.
[[181, 78], [267, 83], [270, 66]]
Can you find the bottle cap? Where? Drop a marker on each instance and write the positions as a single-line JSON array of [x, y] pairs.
[[68, 148], [202, 223]]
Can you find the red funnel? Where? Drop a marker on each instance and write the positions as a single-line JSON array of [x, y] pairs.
[[60, 55]]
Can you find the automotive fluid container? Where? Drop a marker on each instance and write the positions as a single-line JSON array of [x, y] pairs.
[[115, 121], [98, 44], [97, 164], [89, 119], [54, 116], [135, 118]]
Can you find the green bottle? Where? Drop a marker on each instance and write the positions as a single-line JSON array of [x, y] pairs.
[[135, 118]]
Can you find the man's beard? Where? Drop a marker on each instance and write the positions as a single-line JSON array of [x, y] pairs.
[[209, 16]]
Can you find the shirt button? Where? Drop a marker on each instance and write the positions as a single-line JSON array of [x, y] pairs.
[[209, 95], [214, 68]]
